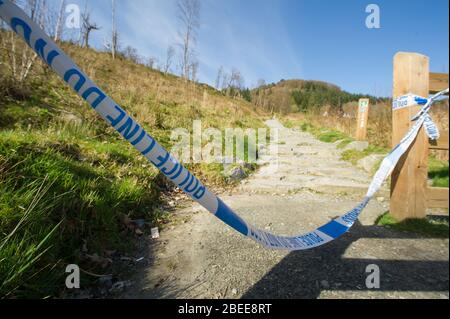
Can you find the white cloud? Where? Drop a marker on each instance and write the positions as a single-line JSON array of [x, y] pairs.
[[227, 36], [151, 25]]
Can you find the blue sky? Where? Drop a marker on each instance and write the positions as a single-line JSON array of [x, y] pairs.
[[289, 39]]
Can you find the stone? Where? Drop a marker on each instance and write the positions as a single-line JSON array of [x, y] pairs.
[[235, 173], [368, 163], [337, 142], [71, 118], [357, 146]]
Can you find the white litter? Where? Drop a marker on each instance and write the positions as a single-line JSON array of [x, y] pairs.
[[154, 233]]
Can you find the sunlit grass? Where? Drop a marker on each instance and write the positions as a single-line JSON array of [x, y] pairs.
[[438, 172], [427, 227], [93, 176]]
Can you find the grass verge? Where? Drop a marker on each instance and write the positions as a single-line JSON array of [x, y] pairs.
[[438, 172], [427, 227], [25, 269], [353, 156]]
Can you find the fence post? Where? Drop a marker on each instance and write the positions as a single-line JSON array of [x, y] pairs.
[[409, 178], [363, 115]]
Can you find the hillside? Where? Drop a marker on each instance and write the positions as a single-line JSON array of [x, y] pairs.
[[69, 185], [290, 96]]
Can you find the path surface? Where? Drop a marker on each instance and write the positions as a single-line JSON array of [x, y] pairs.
[[203, 258]]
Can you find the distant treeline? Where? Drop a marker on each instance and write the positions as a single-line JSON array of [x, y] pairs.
[[316, 94], [289, 96]]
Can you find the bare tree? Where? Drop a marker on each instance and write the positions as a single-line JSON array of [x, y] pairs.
[[169, 57], [236, 79], [114, 34], [152, 62], [80, 37], [225, 81], [132, 54], [219, 77], [59, 22], [40, 13], [260, 92], [20, 59], [194, 70], [33, 6], [113, 45], [189, 16], [236, 83], [88, 27], [231, 83]]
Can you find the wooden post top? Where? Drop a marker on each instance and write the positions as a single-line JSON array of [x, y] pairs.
[[411, 74]]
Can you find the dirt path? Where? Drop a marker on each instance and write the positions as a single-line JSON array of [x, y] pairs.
[[203, 258]]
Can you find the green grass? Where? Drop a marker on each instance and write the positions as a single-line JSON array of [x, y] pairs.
[[289, 123], [93, 183], [72, 183], [325, 135], [343, 143], [438, 172], [426, 227], [353, 156], [330, 136], [24, 271]]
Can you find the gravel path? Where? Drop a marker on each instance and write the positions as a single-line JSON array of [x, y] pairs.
[[308, 185]]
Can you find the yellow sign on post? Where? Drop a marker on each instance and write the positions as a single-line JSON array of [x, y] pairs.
[[363, 115]]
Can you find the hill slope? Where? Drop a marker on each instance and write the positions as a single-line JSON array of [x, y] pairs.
[[288, 96], [68, 183]]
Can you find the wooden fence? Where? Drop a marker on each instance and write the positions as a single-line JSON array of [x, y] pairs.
[[410, 193]]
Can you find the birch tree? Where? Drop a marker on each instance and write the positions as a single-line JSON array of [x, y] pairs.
[[194, 70], [219, 77], [19, 58], [114, 33], [169, 57], [59, 22], [188, 12]]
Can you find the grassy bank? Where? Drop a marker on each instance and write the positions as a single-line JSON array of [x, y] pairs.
[[67, 180], [438, 172]]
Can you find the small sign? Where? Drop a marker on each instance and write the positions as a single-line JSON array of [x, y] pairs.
[[363, 105], [363, 115]]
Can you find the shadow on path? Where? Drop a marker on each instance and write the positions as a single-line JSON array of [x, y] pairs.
[[303, 274]]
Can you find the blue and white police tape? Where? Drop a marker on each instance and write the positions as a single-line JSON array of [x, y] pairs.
[[171, 167], [408, 100]]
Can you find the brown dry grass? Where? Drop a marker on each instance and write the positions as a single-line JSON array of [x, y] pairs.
[[153, 97]]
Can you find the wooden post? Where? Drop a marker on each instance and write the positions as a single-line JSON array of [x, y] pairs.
[[409, 178], [363, 115]]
